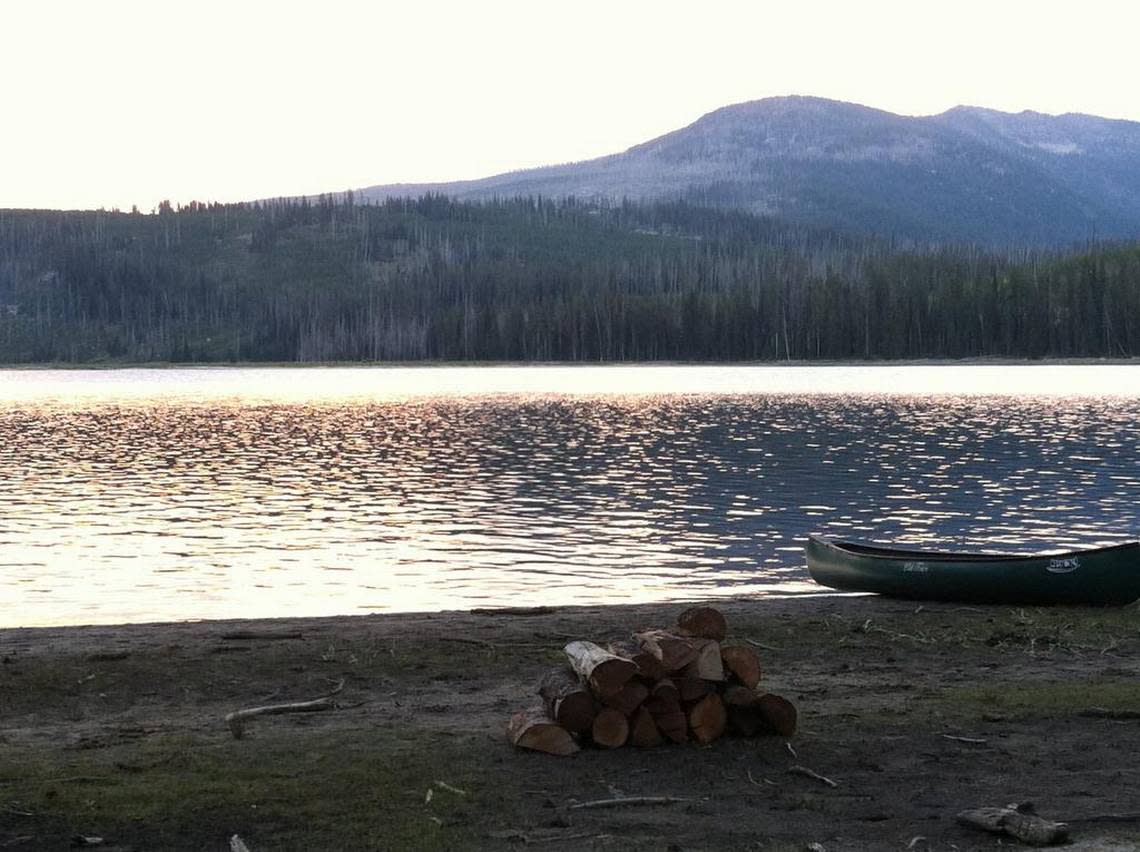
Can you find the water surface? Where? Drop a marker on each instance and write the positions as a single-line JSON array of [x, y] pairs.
[[139, 495]]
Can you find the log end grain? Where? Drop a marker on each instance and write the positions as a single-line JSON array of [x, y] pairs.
[[534, 729], [707, 719], [777, 713], [703, 622], [610, 728]]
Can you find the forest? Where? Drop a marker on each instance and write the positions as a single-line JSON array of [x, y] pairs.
[[332, 279]]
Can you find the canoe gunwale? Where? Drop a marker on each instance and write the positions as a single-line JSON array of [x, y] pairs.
[[894, 553]]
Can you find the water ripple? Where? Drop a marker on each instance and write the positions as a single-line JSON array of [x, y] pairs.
[[146, 509]]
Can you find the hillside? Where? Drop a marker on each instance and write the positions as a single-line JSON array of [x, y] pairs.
[[525, 280], [967, 175]]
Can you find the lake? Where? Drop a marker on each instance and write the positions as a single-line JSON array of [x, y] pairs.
[[171, 494]]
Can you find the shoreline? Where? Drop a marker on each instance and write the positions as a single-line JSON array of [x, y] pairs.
[[117, 731], [316, 365]]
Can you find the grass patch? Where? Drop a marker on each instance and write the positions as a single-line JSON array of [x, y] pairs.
[[332, 790], [1022, 629], [76, 685], [1046, 698]]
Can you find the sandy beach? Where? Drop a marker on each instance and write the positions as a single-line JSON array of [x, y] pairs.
[[915, 712]]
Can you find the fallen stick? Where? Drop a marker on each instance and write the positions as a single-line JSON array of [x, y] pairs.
[[1017, 821], [761, 645], [631, 801], [443, 785], [532, 839], [514, 610], [815, 776], [238, 718], [1105, 713], [970, 740], [251, 635]]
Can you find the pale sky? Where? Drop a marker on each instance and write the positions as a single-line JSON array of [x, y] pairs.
[[114, 103]]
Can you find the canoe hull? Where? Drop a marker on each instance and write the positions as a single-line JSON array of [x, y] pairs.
[[1107, 576]]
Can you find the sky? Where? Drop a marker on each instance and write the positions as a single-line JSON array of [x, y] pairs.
[[118, 103]]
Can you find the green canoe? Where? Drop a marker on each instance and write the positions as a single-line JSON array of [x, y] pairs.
[[1105, 576]]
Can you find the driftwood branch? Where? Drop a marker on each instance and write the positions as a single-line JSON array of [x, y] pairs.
[[629, 801], [238, 718], [815, 776], [1017, 821], [514, 610]]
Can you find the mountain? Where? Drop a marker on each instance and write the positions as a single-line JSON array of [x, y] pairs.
[[968, 174]]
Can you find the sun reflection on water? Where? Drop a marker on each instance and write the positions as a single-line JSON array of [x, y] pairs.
[[203, 494]]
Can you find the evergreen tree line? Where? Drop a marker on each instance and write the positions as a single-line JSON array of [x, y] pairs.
[[533, 279]]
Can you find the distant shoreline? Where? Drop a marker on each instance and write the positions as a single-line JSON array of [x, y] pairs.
[[907, 362]]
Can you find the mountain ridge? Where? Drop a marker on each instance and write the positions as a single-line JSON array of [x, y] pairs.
[[969, 174]]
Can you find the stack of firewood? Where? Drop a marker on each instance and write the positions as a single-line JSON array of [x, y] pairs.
[[662, 686]]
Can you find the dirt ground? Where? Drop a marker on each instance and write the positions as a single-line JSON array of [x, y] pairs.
[[117, 733]]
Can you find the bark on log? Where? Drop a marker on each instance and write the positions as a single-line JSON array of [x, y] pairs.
[[703, 622], [611, 728], [534, 729], [568, 701], [674, 652], [777, 713], [707, 719], [648, 666], [643, 730], [628, 698], [743, 663], [1019, 822], [707, 665], [603, 671]]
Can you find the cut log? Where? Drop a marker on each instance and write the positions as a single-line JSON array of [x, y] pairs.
[[674, 652], [703, 622], [707, 719], [611, 728], [534, 729], [735, 695], [603, 671], [648, 666], [777, 713], [743, 715], [674, 725], [568, 701], [643, 730], [742, 663], [664, 698], [666, 691], [691, 688], [628, 698], [1016, 821], [707, 665]]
